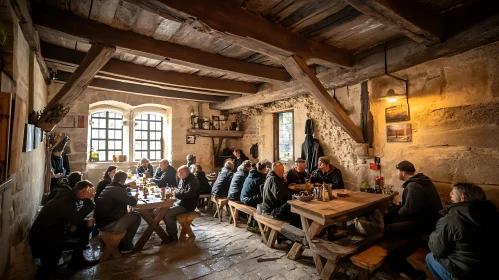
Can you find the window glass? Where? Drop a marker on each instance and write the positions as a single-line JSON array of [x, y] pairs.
[[106, 134], [148, 133]]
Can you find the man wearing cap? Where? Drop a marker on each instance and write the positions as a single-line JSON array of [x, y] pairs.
[[420, 203], [297, 174], [328, 174]]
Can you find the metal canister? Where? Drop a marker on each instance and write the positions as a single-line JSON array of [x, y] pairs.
[[318, 193]]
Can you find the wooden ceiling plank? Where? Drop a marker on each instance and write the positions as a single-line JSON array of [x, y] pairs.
[[216, 17], [299, 70], [61, 21], [126, 69], [406, 16]]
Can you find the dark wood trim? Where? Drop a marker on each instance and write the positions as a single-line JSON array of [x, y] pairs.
[[216, 133], [275, 128], [124, 69], [62, 21], [226, 20]]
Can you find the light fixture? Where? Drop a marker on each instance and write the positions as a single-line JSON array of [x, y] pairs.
[[393, 94]]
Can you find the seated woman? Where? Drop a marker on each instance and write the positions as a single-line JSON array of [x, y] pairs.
[[106, 180], [204, 185], [145, 167]]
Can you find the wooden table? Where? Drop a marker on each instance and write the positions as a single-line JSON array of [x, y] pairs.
[[316, 215], [152, 211]]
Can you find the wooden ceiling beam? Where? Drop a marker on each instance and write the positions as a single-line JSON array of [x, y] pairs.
[[57, 108], [405, 16], [299, 70], [226, 20], [113, 85], [145, 73], [93, 31]]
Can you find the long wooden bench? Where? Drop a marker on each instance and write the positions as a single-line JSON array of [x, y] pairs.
[[185, 221], [418, 261], [269, 228], [219, 204], [236, 206]]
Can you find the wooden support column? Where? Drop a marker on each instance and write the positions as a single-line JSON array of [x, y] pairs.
[[299, 70], [57, 108]]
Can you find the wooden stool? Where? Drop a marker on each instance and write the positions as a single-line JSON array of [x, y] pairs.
[[236, 206], [204, 198], [418, 261], [220, 203], [185, 221], [111, 240], [269, 228]]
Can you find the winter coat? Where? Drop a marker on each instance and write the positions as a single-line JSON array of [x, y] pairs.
[[142, 170], [295, 177], [168, 177], [188, 192], [251, 185], [236, 185], [311, 150], [59, 165], [222, 184], [100, 187], [50, 226], [333, 176], [465, 240], [204, 185], [112, 204], [420, 202], [275, 193]]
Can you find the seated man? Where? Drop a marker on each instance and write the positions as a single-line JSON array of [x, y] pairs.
[[276, 196], [111, 211], [297, 174], [464, 244], [69, 182], [328, 174], [221, 185], [420, 204], [165, 175], [187, 195], [251, 193], [47, 235], [204, 185], [236, 185], [240, 157]]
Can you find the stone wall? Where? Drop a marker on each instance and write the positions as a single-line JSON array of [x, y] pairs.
[[176, 119]]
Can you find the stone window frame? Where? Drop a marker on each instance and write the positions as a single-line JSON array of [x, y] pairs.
[[275, 128]]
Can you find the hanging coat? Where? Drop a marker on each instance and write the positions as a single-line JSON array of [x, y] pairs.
[[311, 150]]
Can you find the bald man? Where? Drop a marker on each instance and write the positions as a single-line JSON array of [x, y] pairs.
[[165, 175]]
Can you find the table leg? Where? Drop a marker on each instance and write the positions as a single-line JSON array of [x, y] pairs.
[[329, 270], [153, 225], [314, 229]]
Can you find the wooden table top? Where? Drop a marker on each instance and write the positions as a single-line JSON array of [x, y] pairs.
[[339, 206], [153, 202]]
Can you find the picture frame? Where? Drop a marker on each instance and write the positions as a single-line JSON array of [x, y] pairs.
[[398, 113], [216, 122], [29, 136], [190, 139], [399, 133]]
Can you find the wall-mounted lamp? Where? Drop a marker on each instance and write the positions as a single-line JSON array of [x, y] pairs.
[[393, 94]]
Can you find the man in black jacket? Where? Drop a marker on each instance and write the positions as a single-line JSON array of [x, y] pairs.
[[251, 193], [276, 196], [111, 211], [328, 174], [165, 175], [297, 174], [236, 185], [240, 158], [464, 244], [187, 195], [222, 183], [47, 235], [420, 204]]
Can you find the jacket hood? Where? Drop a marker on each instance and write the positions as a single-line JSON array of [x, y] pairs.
[[309, 127], [66, 191], [419, 178], [226, 170], [254, 173], [475, 212]]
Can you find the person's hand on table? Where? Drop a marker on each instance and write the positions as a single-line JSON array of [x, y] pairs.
[[292, 186]]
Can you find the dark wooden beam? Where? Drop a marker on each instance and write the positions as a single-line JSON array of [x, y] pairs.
[[96, 32], [405, 16], [57, 108], [127, 69], [402, 54], [114, 85], [20, 8], [299, 70], [226, 20]]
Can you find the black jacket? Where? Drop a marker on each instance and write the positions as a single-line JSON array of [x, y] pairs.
[[311, 150], [240, 160], [112, 204], [50, 226], [251, 185], [295, 177], [420, 202], [59, 165], [331, 177], [275, 193], [222, 184], [100, 187], [141, 169], [204, 185], [465, 240], [168, 177], [236, 185], [188, 192]]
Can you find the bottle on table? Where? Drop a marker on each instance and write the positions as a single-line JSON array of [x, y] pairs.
[[325, 193], [129, 173], [363, 187]]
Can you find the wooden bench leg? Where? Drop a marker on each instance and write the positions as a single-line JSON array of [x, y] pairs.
[[272, 238], [329, 270], [295, 251], [111, 248], [262, 232]]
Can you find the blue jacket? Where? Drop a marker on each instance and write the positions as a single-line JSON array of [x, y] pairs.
[[236, 185], [169, 177], [251, 186], [222, 184]]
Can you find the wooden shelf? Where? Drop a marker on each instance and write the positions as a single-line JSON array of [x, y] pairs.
[[216, 133]]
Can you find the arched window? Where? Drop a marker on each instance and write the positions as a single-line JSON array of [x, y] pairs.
[[106, 135], [147, 136]]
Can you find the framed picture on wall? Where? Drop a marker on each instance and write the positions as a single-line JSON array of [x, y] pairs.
[[399, 132], [397, 113], [190, 139]]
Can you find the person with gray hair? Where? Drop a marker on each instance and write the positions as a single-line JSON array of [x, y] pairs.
[[165, 175], [221, 185], [191, 160], [236, 185]]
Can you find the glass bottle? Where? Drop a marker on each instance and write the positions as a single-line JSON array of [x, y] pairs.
[[363, 187], [325, 193]]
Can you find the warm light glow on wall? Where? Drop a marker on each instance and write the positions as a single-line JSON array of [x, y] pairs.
[[392, 99]]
